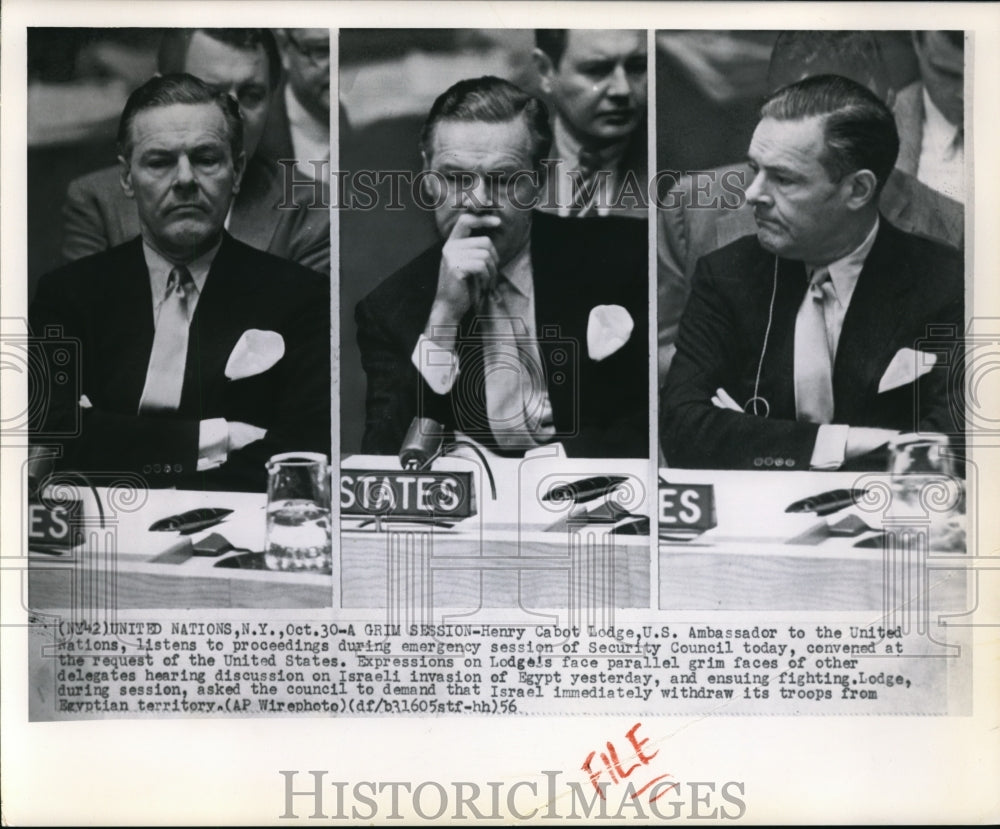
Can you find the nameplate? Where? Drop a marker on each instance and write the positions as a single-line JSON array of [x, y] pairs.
[[402, 494], [687, 507], [54, 529]]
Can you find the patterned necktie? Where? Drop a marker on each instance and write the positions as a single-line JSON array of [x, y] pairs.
[[513, 376], [813, 363], [165, 374], [584, 185]]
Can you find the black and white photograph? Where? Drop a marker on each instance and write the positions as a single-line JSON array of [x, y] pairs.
[[179, 305], [589, 418], [494, 318]]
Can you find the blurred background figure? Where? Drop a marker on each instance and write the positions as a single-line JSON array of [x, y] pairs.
[[719, 77], [78, 81], [930, 114], [299, 123], [594, 81]]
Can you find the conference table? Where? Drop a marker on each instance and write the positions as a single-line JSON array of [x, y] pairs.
[[518, 556]]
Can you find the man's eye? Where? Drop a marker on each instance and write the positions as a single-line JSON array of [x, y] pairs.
[[158, 162], [636, 66], [595, 70], [206, 159], [252, 98]]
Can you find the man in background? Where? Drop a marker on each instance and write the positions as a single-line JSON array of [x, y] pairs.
[[518, 328], [197, 356], [930, 114], [298, 126], [595, 83], [244, 63]]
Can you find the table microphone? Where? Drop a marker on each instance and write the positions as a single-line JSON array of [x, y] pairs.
[[422, 443]]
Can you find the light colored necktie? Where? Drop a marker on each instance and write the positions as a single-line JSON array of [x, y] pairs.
[[813, 363], [584, 192], [165, 374], [513, 376]]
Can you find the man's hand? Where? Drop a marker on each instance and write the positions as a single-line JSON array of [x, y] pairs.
[[241, 434], [468, 268]]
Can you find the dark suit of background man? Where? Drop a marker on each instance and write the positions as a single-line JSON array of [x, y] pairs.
[[518, 328], [246, 64], [199, 357], [795, 347], [595, 82]]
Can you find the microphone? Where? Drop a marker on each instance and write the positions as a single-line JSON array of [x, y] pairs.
[[422, 444]]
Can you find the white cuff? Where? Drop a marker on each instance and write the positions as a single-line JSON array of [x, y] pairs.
[[213, 443], [436, 364], [830, 448]]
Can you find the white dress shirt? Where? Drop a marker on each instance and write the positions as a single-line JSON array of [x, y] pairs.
[[942, 153], [439, 366], [213, 433], [831, 439]]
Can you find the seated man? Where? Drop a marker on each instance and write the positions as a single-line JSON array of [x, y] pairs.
[[798, 347], [709, 210], [246, 64], [595, 82], [518, 328], [198, 357]]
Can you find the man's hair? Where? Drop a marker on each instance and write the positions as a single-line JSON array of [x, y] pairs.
[[164, 90], [174, 48], [552, 42], [494, 101], [854, 55], [858, 128]]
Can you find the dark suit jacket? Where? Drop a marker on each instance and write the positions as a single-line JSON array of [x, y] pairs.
[[907, 284], [104, 302], [276, 142], [706, 213], [98, 215], [600, 408]]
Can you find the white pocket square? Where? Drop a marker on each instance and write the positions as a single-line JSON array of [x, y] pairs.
[[906, 366], [255, 353], [608, 329]]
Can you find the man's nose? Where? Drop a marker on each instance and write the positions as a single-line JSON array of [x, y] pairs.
[[478, 195], [756, 192], [184, 172], [617, 84]]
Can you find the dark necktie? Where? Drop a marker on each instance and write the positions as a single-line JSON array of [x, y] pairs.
[[584, 185]]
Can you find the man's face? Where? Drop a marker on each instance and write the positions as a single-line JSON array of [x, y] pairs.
[[305, 54], [182, 176], [800, 212], [487, 169], [599, 86], [942, 62], [242, 73]]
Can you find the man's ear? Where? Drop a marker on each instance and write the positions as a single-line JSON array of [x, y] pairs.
[[863, 189], [125, 176], [239, 166], [546, 69]]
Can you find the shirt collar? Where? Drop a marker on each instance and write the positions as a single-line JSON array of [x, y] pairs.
[[568, 148], [518, 271], [159, 269], [844, 272], [940, 129]]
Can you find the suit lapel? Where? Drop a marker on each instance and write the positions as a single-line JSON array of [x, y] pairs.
[[128, 323], [777, 385], [253, 220], [871, 323]]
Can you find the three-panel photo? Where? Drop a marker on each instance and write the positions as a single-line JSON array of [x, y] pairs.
[[541, 326]]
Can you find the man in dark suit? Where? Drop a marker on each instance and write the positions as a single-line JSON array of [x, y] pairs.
[[804, 346], [518, 329], [198, 357], [708, 210], [244, 63], [298, 124], [595, 82]]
